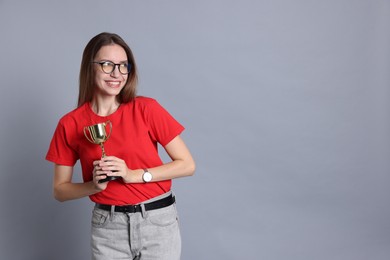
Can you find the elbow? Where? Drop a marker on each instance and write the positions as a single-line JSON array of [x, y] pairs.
[[191, 167], [57, 196]]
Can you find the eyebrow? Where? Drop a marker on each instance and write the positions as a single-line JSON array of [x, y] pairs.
[[124, 61]]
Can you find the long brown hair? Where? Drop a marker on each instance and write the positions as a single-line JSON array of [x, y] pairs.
[[87, 74]]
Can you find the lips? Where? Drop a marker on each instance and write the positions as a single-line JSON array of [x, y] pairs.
[[113, 84]]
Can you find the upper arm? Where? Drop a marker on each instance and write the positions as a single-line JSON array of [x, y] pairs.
[[177, 150], [62, 174]]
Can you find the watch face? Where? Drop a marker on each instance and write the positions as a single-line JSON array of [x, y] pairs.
[[147, 176]]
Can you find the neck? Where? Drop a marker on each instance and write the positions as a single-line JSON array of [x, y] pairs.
[[104, 107]]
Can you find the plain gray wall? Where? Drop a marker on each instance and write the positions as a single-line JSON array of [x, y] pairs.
[[287, 110]]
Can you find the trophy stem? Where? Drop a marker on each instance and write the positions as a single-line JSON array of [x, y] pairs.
[[103, 151]]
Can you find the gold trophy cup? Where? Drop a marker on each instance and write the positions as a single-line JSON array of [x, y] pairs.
[[97, 134]]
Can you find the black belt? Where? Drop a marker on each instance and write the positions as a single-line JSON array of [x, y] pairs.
[[158, 204]]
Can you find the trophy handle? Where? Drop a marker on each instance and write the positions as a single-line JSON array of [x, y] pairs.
[[108, 122], [87, 136]]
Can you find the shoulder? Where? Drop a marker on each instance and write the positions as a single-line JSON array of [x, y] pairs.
[[142, 100], [73, 116], [145, 103]]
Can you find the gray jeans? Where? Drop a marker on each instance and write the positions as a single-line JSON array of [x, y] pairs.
[[146, 235]]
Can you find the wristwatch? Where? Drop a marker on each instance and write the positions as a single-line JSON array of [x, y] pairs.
[[147, 176]]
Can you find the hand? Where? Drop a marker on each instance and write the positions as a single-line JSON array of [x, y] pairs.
[[98, 174], [114, 166]]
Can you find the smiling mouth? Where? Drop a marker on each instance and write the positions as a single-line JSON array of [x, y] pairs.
[[113, 84]]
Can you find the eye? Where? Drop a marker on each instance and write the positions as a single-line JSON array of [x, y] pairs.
[[107, 64], [124, 68]]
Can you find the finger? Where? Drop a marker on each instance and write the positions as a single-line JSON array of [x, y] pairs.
[[105, 164], [100, 177], [113, 165], [115, 173], [108, 168], [98, 172], [109, 158], [97, 162]]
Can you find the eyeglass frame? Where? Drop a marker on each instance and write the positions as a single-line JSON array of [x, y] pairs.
[[115, 65]]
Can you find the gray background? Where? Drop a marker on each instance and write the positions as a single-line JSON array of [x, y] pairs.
[[286, 105]]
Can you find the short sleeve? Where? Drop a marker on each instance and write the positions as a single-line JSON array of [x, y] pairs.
[[60, 152], [163, 126]]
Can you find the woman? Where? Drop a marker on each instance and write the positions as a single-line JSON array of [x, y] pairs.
[[135, 214]]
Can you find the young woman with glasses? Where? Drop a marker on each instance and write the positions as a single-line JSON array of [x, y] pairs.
[[135, 215]]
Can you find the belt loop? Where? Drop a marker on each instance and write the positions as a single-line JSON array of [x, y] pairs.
[[112, 211], [143, 211]]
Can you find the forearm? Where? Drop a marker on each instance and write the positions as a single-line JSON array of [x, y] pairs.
[[172, 170], [168, 171], [70, 191]]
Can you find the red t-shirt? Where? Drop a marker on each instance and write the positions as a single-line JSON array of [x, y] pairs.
[[137, 128]]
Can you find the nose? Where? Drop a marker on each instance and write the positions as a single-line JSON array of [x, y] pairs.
[[115, 73]]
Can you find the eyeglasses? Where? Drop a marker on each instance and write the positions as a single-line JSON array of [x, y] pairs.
[[108, 67]]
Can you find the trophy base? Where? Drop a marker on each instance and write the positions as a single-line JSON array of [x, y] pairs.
[[109, 178]]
